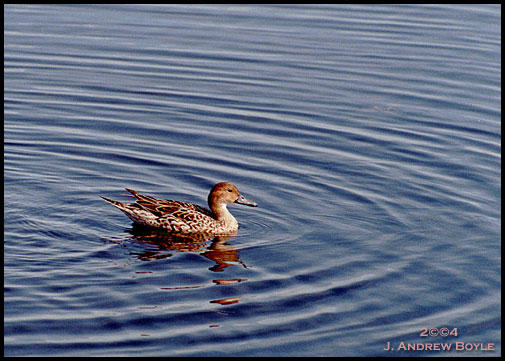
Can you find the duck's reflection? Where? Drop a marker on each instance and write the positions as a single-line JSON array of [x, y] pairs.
[[212, 247]]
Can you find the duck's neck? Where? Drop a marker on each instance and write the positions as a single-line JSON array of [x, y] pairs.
[[224, 216]]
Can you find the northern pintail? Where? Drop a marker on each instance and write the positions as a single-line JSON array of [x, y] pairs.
[[182, 217]]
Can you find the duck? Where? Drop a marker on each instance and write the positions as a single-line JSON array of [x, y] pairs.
[[183, 217]]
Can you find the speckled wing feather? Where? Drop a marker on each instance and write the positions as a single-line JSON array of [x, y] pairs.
[[164, 207]]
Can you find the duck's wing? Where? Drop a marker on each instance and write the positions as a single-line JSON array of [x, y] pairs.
[[163, 208]]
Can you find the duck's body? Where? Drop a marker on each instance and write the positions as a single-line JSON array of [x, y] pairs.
[[183, 217]]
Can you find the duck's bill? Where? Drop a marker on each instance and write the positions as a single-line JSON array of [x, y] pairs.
[[243, 200]]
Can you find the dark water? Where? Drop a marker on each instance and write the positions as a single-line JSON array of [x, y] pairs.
[[369, 135]]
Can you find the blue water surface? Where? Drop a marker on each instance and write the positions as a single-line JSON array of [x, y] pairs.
[[369, 135]]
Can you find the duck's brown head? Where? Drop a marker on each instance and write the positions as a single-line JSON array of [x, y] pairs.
[[225, 193]]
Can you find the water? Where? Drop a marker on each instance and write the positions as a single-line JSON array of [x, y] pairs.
[[369, 136]]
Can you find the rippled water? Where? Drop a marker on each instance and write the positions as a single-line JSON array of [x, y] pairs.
[[369, 136]]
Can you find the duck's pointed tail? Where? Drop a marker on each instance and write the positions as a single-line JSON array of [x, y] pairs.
[[117, 204]]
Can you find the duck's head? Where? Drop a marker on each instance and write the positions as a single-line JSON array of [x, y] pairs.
[[225, 193]]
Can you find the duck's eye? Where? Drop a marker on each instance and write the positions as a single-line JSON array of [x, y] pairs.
[[229, 190]]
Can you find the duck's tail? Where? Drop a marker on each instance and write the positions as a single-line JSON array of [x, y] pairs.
[[117, 204]]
